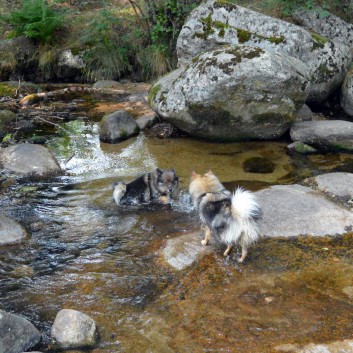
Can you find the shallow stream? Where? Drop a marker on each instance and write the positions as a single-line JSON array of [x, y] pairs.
[[85, 253]]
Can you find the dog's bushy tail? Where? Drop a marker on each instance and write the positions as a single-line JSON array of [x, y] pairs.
[[119, 190], [244, 205], [243, 226]]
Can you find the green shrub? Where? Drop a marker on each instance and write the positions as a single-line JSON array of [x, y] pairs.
[[108, 48], [35, 19]]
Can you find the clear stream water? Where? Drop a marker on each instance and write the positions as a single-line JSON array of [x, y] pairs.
[[87, 254]]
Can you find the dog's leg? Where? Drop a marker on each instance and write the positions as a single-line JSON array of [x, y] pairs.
[[244, 252], [207, 236], [228, 250]]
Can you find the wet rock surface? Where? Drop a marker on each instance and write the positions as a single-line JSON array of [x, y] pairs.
[[28, 159], [72, 329], [183, 251], [17, 333], [10, 231], [293, 210]]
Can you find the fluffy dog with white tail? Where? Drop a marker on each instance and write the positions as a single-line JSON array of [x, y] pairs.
[[230, 217]]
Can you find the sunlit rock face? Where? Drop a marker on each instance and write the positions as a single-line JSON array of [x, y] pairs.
[[27, 159], [216, 23], [232, 94]]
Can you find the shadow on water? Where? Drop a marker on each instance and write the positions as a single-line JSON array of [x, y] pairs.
[[87, 254]]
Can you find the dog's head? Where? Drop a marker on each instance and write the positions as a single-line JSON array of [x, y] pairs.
[[167, 181], [216, 210], [201, 184]]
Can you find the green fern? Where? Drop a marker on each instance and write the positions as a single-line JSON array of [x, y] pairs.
[[35, 19]]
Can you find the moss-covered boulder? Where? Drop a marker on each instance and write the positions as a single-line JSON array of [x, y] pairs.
[[216, 23], [232, 94]]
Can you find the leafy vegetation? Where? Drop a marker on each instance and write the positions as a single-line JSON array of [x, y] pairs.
[[116, 39], [35, 19]]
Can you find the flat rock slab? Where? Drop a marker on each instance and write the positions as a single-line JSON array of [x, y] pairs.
[[333, 135], [338, 184], [29, 159], [293, 210], [10, 231], [183, 251]]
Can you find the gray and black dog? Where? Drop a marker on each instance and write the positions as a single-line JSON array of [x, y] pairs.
[[155, 186]]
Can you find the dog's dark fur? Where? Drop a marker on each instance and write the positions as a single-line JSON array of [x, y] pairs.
[[155, 186]]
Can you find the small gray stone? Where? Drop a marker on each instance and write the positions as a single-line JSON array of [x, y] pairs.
[[146, 120], [72, 329], [117, 127], [301, 147]]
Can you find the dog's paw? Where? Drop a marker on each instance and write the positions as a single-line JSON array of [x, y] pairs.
[[164, 199], [204, 242]]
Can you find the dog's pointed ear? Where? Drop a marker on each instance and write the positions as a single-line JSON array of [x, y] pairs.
[[194, 175], [172, 170], [159, 172], [209, 172]]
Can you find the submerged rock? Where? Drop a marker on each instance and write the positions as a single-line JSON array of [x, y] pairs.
[[117, 127], [258, 165], [17, 333], [183, 251], [10, 231], [293, 210], [28, 159], [73, 329], [329, 135], [301, 148]]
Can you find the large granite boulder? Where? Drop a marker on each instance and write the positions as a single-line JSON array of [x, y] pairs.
[[28, 159], [216, 23], [73, 329], [117, 127], [328, 135], [10, 231], [326, 24], [347, 93], [232, 94], [16, 333]]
